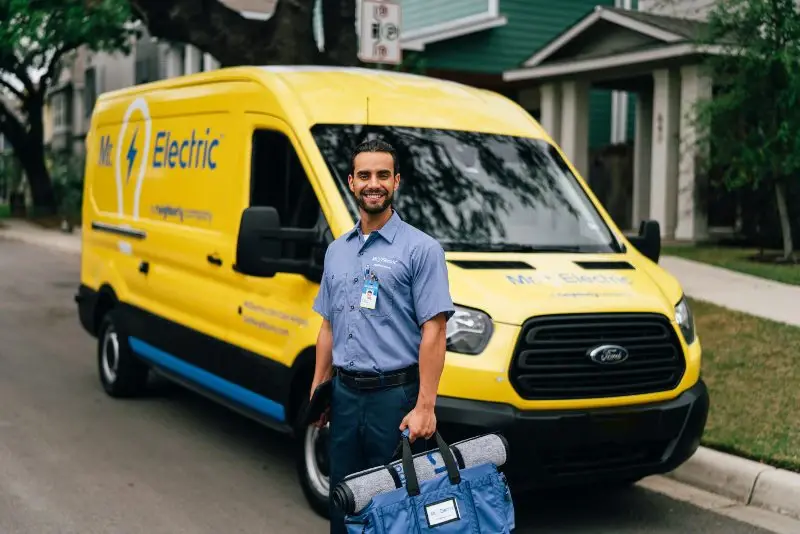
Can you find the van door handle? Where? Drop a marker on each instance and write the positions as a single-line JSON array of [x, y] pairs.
[[213, 258], [144, 267]]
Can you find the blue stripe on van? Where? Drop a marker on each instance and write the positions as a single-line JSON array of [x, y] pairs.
[[213, 382]]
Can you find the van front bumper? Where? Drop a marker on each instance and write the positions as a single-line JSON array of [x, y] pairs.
[[577, 447]]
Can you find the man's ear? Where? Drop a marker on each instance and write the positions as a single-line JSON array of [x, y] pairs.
[[350, 183]]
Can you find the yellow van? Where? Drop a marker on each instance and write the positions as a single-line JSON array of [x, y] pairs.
[[210, 200]]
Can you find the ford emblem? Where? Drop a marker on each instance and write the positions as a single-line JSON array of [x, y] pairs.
[[608, 354]]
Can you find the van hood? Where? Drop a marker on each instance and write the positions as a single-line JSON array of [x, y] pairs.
[[511, 288]]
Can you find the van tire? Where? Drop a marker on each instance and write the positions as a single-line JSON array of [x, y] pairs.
[[311, 474], [121, 373]]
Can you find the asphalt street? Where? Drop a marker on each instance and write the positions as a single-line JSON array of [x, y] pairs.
[[73, 460]]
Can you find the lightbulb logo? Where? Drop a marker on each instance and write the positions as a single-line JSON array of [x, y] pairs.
[[134, 157]]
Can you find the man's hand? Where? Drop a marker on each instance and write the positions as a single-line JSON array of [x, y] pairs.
[[323, 369], [420, 422]]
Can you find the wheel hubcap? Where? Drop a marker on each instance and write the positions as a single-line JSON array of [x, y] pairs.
[[316, 455], [110, 356]]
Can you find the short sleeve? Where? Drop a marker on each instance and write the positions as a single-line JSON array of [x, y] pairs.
[[322, 303], [430, 285]]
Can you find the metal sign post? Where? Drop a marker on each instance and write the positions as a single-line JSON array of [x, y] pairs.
[[380, 32]]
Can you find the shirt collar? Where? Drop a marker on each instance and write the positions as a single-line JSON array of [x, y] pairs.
[[388, 231]]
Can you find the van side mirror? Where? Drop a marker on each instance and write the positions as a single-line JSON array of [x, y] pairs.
[[261, 249], [648, 241]]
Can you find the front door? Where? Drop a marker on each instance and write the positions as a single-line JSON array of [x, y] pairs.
[[273, 321]]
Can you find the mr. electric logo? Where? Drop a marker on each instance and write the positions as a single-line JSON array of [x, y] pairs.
[[134, 152]]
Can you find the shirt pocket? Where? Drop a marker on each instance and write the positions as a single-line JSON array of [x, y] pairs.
[[384, 305], [338, 283]]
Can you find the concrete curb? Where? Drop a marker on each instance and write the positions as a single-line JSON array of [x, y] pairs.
[[751, 483], [53, 240]]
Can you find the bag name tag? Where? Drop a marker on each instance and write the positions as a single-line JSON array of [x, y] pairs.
[[442, 512]]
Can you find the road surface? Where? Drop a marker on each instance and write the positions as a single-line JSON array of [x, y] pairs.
[[74, 461]]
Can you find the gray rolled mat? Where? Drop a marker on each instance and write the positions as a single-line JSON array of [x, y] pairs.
[[356, 490]]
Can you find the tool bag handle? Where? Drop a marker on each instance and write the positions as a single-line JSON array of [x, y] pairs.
[[412, 482]]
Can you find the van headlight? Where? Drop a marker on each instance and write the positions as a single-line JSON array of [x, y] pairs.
[[468, 331], [685, 320]]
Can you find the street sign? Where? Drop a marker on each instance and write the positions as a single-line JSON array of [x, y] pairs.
[[380, 32]]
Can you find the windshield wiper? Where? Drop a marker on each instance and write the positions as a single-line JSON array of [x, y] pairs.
[[507, 247]]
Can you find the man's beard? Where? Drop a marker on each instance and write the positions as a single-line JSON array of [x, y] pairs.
[[375, 209]]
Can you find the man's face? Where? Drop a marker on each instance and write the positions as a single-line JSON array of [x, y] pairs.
[[373, 181]]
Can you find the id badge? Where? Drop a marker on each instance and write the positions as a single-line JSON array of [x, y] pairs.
[[369, 294]]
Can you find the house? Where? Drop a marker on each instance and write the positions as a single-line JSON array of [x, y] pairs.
[[651, 54]]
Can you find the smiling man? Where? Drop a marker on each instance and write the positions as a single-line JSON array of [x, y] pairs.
[[385, 301]]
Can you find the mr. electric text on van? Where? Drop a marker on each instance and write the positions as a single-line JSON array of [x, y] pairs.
[[210, 200]]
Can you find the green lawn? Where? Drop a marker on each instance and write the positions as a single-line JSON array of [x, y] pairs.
[[752, 368], [736, 259]]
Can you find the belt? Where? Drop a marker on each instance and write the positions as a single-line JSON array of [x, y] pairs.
[[362, 380]]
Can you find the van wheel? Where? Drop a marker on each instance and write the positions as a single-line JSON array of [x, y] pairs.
[[311, 456], [122, 374]]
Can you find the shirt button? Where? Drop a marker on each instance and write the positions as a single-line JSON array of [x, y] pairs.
[[352, 308], [355, 280], [350, 335]]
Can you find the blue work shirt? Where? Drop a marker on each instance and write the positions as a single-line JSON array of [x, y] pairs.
[[413, 287]]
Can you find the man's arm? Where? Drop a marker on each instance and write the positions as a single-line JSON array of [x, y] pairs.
[[433, 307], [431, 360], [323, 369]]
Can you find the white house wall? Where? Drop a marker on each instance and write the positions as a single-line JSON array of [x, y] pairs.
[[690, 9]]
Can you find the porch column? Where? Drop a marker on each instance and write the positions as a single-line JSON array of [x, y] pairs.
[[174, 66], [209, 62], [642, 149], [692, 213], [664, 157], [192, 60], [575, 124], [551, 110]]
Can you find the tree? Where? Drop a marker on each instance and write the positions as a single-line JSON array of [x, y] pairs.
[[285, 38], [35, 35], [751, 127]]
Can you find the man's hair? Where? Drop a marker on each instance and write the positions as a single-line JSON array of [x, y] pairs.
[[373, 145]]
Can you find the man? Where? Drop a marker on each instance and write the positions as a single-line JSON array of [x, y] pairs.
[[385, 301]]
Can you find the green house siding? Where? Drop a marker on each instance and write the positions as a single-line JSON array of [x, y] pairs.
[[420, 14], [531, 25], [599, 118]]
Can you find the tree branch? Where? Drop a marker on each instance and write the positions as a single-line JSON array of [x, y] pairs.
[[12, 129], [224, 33], [8, 85]]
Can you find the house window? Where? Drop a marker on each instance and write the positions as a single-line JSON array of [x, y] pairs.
[[59, 111], [90, 91]]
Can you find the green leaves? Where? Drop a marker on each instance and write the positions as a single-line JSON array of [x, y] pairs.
[[34, 34], [753, 123]]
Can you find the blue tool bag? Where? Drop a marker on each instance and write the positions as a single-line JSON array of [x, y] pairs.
[[454, 499]]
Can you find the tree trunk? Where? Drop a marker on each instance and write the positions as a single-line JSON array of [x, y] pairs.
[[42, 193], [28, 144], [786, 224]]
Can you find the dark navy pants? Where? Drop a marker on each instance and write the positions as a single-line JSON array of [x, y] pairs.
[[365, 431]]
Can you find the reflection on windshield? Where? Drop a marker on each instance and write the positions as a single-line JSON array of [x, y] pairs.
[[478, 192]]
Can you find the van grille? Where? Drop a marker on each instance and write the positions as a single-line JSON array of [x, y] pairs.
[[551, 358]]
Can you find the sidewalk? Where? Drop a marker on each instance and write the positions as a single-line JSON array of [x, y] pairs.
[[736, 291], [27, 232]]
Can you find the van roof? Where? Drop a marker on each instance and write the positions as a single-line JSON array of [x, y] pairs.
[[351, 95]]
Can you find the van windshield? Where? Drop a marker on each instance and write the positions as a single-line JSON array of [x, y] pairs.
[[476, 191]]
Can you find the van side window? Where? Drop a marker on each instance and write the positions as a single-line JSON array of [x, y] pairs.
[[278, 180]]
